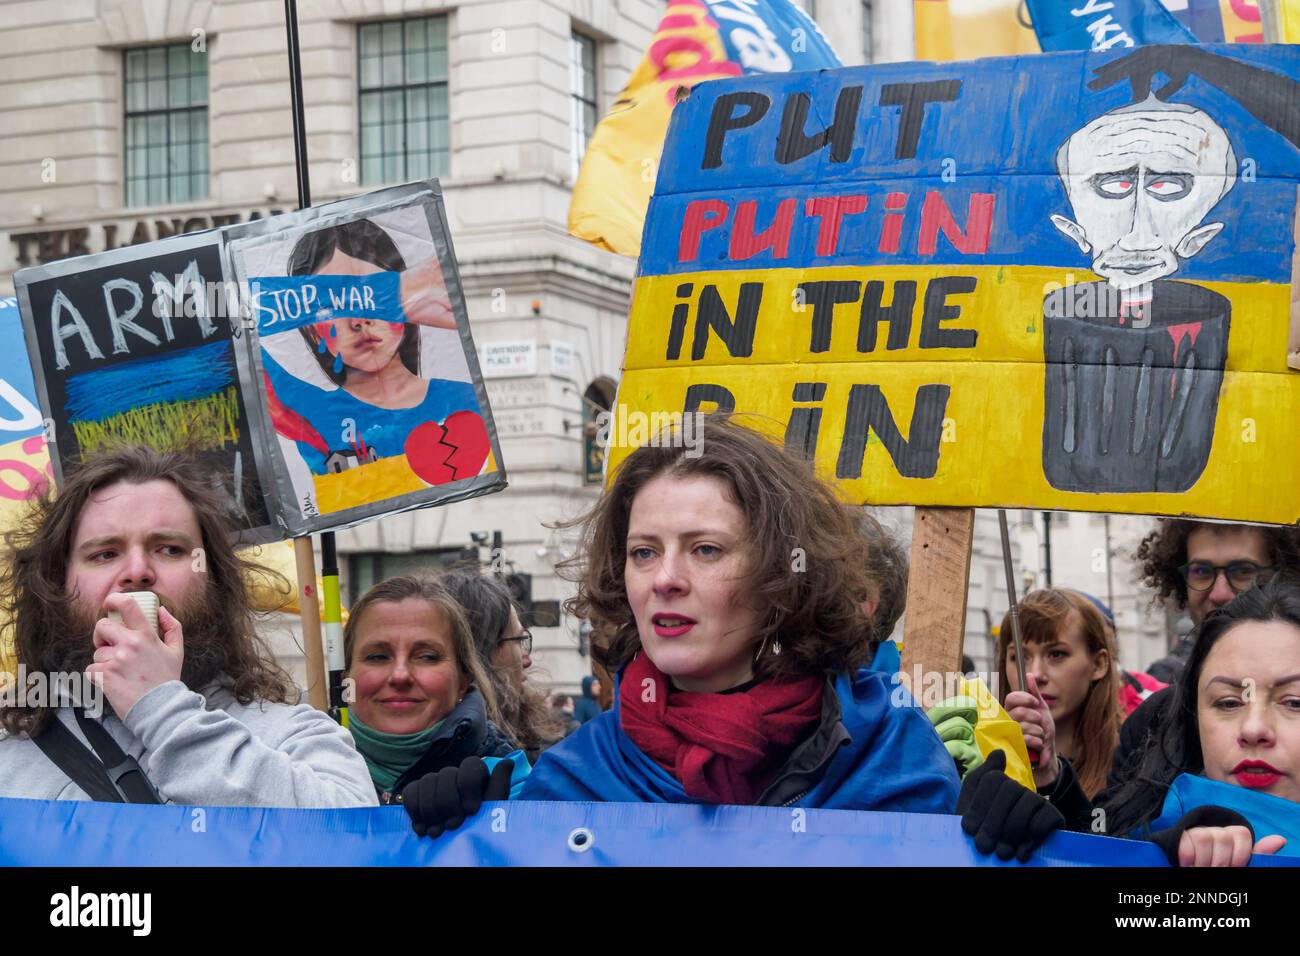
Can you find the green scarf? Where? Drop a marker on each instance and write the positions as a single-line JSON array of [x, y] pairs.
[[389, 755]]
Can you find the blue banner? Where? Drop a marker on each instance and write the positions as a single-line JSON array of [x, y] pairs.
[[522, 833], [1104, 24]]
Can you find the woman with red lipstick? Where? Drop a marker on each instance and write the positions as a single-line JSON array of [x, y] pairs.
[[1222, 775], [725, 587], [1220, 778], [421, 703], [1070, 713]]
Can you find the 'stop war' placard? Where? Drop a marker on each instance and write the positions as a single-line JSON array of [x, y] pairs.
[[1060, 281]]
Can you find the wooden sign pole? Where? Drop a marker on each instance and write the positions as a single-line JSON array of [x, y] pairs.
[[937, 581], [309, 616]]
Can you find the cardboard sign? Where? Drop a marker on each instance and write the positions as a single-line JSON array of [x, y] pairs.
[[321, 361], [132, 347], [359, 351], [1021, 282], [24, 463]]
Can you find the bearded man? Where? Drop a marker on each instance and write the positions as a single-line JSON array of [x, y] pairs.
[[197, 713]]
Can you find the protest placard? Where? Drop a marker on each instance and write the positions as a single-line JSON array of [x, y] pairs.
[[359, 349], [134, 346], [321, 360], [1026, 282], [24, 462]]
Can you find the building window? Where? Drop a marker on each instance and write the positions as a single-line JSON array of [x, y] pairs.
[[402, 86], [582, 84], [866, 32], [368, 568], [165, 116], [597, 400]]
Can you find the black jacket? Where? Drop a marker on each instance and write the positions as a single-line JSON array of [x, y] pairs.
[[1133, 736], [803, 769], [466, 732], [1068, 797]]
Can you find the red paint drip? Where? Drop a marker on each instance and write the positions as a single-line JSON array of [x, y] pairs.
[[1177, 332]]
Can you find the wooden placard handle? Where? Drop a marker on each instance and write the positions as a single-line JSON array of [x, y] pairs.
[[309, 616], [937, 581]]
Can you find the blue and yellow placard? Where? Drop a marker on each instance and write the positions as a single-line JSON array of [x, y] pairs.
[[1060, 281]]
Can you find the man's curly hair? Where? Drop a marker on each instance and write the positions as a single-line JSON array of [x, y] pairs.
[[1163, 551]]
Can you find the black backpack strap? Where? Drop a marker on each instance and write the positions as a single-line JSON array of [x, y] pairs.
[[125, 773], [67, 753]]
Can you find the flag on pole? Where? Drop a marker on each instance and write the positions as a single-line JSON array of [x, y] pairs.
[[1104, 24], [966, 29], [696, 40], [947, 30], [1279, 20]]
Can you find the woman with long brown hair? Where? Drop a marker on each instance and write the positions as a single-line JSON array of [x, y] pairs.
[[1070, 712], [725, 587], [504, 648]]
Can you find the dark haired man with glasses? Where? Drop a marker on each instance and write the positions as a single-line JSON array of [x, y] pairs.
[[1201, 566]]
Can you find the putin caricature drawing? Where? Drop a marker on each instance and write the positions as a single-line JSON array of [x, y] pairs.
[[1135, 361]]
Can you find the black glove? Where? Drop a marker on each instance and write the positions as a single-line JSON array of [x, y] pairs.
[[1001, 814], [442, 800]]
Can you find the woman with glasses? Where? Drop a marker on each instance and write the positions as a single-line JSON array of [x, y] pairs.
[[420, 703], [505, 649], [725, 586]]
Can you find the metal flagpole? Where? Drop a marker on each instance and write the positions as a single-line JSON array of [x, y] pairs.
[[310, 613], [1015, 614]]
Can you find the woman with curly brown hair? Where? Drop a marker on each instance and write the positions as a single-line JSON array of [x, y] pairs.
[[725, 587]]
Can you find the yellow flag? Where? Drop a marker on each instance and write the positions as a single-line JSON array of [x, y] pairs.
[[622, 160], [966, 29], [1281, 20]]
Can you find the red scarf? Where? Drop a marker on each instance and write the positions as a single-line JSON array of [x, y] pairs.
[[722, 748]]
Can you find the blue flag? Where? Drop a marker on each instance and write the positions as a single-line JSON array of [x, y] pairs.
[[771, 36], [1104, 24]]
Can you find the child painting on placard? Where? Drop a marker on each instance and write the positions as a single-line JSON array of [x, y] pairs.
[[380, 407]]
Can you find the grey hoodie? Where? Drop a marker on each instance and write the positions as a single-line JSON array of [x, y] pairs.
[[209, 750]]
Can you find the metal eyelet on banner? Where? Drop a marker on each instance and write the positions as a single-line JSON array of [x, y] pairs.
[[581, 840]]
